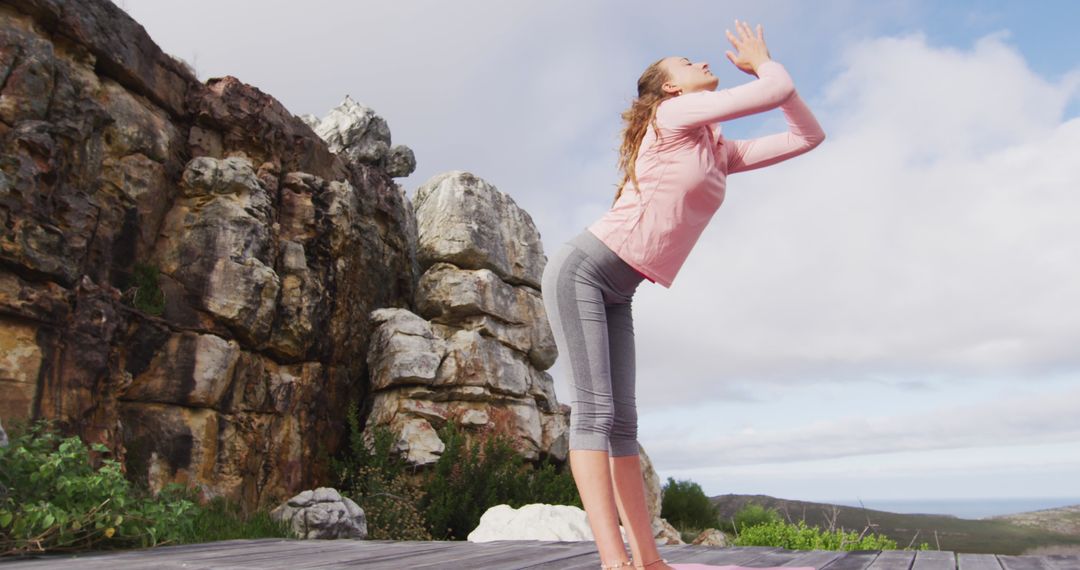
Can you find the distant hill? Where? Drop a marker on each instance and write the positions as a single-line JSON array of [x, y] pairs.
[[1062, 520], [1011, 534]]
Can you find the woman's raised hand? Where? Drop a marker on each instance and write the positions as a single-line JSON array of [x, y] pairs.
[[751, 48]]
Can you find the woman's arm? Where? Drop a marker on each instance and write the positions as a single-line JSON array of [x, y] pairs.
[[772, 88], [804, 133]]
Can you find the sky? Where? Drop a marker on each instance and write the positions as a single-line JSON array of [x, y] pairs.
[[893, 315]]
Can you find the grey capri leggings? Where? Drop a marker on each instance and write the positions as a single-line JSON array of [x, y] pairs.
[[587, 290]]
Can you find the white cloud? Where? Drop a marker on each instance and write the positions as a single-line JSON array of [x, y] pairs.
[[933, 234], [1024, 418]]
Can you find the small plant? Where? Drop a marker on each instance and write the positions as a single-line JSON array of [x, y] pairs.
[[685, 506], [52, 498], [446, 500], [470, 478], [377, 479], [753, 514], [220, 519], [145, 294], [800, 537]]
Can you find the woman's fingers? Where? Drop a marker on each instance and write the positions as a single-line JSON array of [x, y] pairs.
[[734, 42], [746, 31], [760, 33], [739, 30]]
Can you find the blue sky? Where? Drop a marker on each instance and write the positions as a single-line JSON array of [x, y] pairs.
[[890, 316]]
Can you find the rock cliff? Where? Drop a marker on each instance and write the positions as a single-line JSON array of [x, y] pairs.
[[187, 270], [479, 338], [202, 281]]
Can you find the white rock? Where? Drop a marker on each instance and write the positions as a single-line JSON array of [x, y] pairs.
[[536, 521], [322, 513]]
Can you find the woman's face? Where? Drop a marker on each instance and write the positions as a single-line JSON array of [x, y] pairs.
[[687, 76]]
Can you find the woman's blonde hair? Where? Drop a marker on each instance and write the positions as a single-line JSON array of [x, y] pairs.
[[641, 113]]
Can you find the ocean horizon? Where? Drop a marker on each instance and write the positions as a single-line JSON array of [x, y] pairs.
[[974, 508]]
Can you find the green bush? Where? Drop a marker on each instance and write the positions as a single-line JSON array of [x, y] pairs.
[[685, 505], [801, 537], [471, 477], [753, 514], [378, 480], [220, 519], [52, 498], [446, 501], [147, 296]]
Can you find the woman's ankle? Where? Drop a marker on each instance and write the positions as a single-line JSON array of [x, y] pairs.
[[648, 565]]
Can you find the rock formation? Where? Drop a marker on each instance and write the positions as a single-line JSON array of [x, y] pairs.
[[711, 537], [481, 338], [187, 270], [202, 281], [322, 513], [534, 522]]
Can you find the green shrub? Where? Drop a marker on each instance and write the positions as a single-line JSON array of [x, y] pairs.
[[753, 514], [378, 480], [800, 537], [445, 501], [685, 506], [52, 498], [551, 484], [220, 519], [148, 297], [470, 478]]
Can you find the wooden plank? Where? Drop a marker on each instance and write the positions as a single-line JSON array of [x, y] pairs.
[[386, 556], [496, 554], [972, 561], [854, 560], [815, 558], [781, 557], [293, 550], [673, 553], [556, 556], [724, 556], [241, 556], [1025, 562], [1064, 561], [893, 560], [934, 560]]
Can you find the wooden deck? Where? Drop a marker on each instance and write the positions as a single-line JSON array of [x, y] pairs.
[[511, 555]]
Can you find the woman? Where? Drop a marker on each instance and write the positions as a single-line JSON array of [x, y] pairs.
[[676, 163]]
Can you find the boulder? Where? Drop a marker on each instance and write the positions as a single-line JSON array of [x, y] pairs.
[[535, 521], [711, 537], [464, 220], [401, 161], [322, 513]]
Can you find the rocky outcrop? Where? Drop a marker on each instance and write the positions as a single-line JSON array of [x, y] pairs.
[[322, 513], [480, 339], [202, 281], [357, 133], [124, 178], [536, 521], [711, 537], [663, 531]]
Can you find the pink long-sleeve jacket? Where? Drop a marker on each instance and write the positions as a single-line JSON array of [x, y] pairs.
[[682, 176]]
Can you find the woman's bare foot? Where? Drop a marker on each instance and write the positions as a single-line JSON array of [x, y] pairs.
[[659, 564]]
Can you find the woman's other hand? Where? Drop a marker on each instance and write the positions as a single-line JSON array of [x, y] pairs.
[[751, 48]]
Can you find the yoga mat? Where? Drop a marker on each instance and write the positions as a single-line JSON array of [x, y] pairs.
[[730, 567]]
